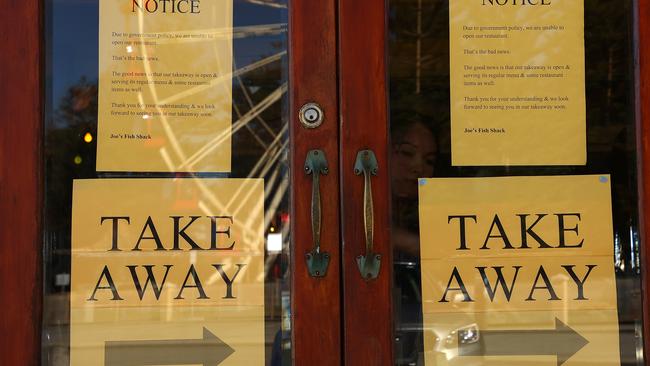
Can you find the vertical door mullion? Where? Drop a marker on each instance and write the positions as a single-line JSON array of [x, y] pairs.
[[20, 182], [364, 125], [643, 93], [315, 302]]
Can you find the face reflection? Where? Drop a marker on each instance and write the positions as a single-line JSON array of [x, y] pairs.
[[413, 157]]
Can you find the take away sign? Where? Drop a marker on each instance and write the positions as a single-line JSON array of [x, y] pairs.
[[518, 271], [167, 272]]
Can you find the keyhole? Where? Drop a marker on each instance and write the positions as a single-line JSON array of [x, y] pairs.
[[311, 115]]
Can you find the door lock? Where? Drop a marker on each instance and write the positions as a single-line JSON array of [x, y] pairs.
[[311, 115]]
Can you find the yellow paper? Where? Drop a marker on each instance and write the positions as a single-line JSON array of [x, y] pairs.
[[111, 216], [516, 254], [517, 82], [165, 95]]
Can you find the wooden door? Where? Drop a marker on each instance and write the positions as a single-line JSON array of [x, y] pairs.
[[26, 72], [374, 331]]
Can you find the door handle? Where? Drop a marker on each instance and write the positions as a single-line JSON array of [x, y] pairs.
[[370, 263], [317, 261]]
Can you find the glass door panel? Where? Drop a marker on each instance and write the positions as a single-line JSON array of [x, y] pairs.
[[430, 326], [177, 284]]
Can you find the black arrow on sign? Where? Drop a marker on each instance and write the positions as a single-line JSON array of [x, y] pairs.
[[208, 351], [562, 342]]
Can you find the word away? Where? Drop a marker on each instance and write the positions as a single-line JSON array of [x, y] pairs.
[[114, 277], [157, 286], [542, 282], [530, 280]]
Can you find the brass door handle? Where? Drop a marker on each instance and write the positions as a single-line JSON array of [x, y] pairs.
[[317, 261], [370, 263]]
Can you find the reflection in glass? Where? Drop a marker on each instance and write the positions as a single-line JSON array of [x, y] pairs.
[[259, 143], [420, 133]]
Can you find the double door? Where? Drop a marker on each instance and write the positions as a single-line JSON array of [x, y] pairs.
[[343, 68], [347, 112]]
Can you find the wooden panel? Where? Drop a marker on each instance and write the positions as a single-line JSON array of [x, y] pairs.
[[315, 303], [643, 20], [363, 72], [20, 182]]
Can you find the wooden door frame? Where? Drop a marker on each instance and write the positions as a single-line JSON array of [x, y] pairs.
[[21, 183], [368, 322], [642, 19], [21, 98], [315, 302]]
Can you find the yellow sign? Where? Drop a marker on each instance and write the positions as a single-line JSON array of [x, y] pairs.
[[518, 271], [167, 272], [517, 82], [165, 95]]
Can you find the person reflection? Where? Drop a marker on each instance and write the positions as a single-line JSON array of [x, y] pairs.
[[414, 151]]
